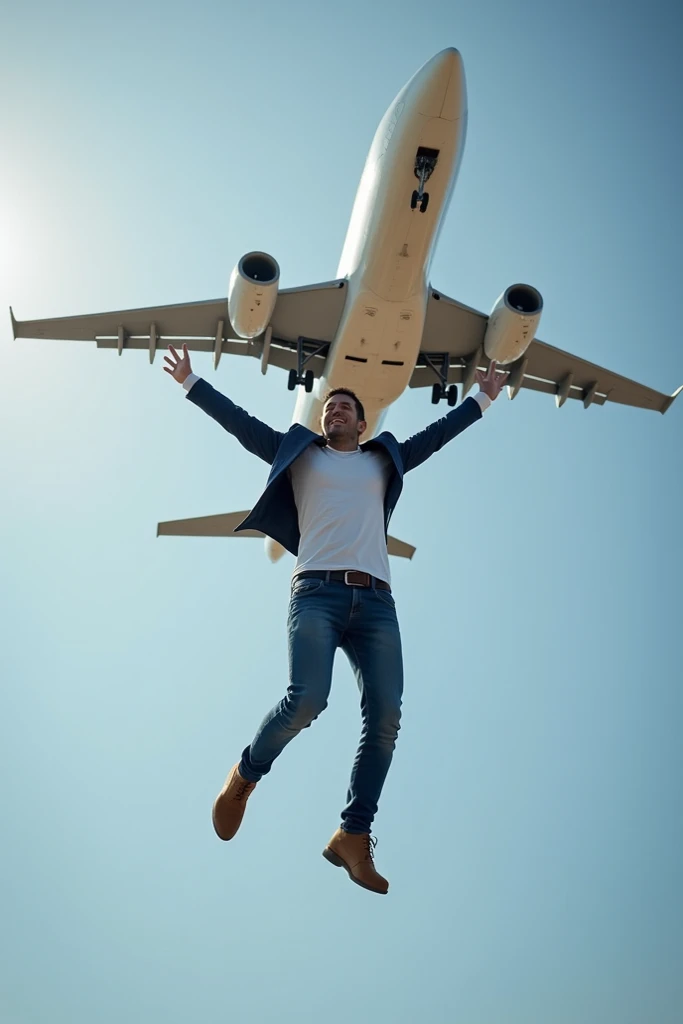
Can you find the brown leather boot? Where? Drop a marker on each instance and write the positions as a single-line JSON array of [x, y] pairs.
[[229, 806], [355, 854]]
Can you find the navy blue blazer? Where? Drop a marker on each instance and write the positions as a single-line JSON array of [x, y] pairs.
[[275, 512]]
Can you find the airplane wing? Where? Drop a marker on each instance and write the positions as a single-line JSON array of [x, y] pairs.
[[312, 312], [224, 526], [455, 332]]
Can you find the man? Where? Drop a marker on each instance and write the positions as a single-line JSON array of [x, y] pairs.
[[328, 500]]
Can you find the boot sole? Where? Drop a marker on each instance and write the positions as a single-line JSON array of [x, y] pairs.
[[224, 837], [226, 834], [335, 859]]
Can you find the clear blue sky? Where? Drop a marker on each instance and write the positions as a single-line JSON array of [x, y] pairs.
[[531, 826]]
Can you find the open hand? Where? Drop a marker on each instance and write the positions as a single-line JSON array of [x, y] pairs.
[[178, 367], [492, 382]]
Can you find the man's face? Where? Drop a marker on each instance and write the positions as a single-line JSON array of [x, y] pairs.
[[340, 419]]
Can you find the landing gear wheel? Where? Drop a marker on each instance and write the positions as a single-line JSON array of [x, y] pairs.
[[308, 381], [292, 380], [414, 200], [452, 395], [436, 394], [425, 201]]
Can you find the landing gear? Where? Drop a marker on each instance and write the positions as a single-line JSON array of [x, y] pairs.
[[425, 162], [306, 379], [306, 349], [443, 389], [423, 201], [440, 391]]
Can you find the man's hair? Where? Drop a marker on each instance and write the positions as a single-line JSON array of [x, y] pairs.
[[347, 391]]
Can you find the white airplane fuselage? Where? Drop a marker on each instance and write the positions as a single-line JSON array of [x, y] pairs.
[[389, 246]]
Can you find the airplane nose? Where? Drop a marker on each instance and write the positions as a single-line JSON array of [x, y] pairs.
[[443, 86]]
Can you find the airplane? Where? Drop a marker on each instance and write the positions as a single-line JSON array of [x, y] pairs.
[[379, 326]]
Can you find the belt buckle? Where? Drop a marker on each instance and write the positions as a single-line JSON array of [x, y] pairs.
[[357, 572]]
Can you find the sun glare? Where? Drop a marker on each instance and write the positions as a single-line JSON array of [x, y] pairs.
[[13, 232]]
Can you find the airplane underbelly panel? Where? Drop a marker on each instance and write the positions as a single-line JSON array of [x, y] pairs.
[[398, 249], [376, 347], [390, 244]]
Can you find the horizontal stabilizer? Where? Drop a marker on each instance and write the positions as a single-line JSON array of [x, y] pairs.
[[224, 526], [399, 548], [207, 526]]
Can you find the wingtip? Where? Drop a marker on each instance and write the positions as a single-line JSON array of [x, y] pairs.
[[14, 323], [668, 402]]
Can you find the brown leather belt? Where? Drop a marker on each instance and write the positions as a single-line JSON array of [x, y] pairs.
[[351, 577]]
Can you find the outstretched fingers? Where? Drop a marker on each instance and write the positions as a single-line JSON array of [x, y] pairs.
[[173, 360]]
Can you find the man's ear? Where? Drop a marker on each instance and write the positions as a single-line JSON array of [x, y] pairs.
[[362, 426]]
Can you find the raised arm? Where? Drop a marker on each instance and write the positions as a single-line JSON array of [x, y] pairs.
[[254, 435], [418, 448]]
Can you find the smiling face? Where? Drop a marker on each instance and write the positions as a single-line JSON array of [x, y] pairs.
[[340, 422]]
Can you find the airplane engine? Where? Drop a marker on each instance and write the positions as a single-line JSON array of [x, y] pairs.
[[252, 294], [513, 323]]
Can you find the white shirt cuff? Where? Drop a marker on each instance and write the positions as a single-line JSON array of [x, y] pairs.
[[484, 400], [190, 381]]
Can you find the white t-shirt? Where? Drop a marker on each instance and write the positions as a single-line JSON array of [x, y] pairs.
[[340, 500]]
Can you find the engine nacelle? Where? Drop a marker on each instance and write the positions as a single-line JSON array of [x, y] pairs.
[[252, 294], [513, 323]]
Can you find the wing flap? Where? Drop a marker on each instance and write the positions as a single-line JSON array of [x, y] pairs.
[[236, 347], [552, 364]]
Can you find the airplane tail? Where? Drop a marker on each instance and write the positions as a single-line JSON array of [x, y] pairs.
[[224, 525]]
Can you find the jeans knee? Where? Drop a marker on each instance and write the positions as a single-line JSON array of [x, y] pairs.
[[384, 728], [304, 712]]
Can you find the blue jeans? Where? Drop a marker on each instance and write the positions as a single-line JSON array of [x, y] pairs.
[[325, 615]]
